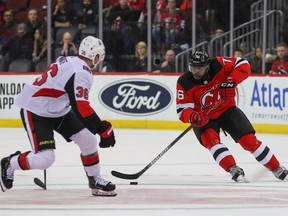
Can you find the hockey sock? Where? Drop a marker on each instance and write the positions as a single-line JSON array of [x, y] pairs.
[[265, 157], [221, 154], [260, 151], [29, 160], [91, 164], [86, 141]]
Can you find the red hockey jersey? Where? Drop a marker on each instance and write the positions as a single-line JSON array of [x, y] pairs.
[[203, 95]]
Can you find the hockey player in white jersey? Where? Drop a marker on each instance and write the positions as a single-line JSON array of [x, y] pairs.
[[59, 101]]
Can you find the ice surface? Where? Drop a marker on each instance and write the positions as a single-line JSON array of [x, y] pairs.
[[184, 181]]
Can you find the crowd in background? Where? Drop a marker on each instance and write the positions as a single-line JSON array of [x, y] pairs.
[[23, 32]]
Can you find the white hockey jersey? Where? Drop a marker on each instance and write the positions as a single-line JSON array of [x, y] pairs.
[[66, 81]]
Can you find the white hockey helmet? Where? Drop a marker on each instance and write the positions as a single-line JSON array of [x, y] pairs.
[[91, 46]]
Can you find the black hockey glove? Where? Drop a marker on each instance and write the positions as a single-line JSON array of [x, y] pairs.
[[107, 135]]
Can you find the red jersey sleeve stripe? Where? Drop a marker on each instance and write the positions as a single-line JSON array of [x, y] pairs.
[[84, 108], [46, 92]]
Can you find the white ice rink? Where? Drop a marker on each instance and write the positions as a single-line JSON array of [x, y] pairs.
[[185, 181]]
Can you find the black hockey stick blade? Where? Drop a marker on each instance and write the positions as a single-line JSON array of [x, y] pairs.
[[41, 184], [138, 174], [125, 176]]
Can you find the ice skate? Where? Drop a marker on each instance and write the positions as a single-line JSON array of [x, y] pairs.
[[7, 173], [101, 187], [281, 173], [238, 174]]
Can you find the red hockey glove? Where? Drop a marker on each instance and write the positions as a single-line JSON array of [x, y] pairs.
[[107, 135], [199, 119], [227, 89]]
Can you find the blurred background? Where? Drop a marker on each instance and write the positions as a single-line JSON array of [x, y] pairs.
[[142, 35]]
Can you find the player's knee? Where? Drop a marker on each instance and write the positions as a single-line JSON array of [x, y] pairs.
[[43, 159], [209, 138], [249, 142], [86, 141]]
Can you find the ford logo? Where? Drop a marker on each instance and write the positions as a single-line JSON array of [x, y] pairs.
[[138, 97]]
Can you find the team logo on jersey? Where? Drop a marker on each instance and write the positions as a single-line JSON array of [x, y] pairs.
[[138, 97], [209, 97]]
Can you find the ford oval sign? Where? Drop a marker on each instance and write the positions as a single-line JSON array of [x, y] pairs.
[[137, 97]]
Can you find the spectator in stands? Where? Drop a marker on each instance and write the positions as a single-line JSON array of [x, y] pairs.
[[68, 48], [218, 43], [280, 65], [40, 45], [169, 64], [20, 46], [8, 27], [137, 4], [62, 17], [172, 23], [142, 22], [269, 59], [238, 53], [185, 5], [2, 11], [139, 62], [86, 15], [119, 23], [33, 22], [244, 47], [218, 32], [256, 62]]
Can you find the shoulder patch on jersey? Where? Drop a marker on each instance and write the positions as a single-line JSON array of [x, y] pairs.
[[62, 60], [87, 69]]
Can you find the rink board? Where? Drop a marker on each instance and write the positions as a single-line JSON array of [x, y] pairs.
[[141, 100]]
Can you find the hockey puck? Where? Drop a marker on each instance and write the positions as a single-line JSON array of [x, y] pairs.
[[133, 183]]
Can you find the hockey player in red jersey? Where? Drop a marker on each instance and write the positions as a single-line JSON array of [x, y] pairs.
[[59, 101], [211, 82]]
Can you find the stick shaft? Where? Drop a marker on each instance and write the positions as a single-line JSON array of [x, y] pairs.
[[137, 175]]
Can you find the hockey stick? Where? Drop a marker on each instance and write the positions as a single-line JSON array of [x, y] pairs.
[[40, 183], [138, 174]]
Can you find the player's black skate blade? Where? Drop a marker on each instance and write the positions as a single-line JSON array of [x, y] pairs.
[[101, 187], [281, 173], [99, 192], [238, 174]]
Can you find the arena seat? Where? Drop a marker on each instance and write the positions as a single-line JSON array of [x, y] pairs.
[[20, 65], [41, 65], [17, 5]]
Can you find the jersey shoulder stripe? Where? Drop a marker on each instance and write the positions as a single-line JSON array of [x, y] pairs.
[[215, 68], [187, 81]]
